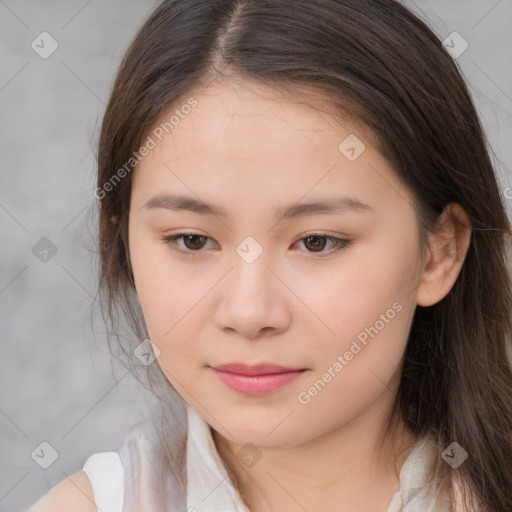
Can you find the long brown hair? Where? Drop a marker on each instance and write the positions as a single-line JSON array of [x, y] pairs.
[[377, 62]]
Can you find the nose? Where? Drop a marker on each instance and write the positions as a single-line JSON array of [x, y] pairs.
[[253, 301]]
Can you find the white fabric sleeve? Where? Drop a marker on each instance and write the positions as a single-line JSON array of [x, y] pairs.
[[106, 474]]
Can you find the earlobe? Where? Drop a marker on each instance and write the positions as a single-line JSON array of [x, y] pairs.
[[448, 248]]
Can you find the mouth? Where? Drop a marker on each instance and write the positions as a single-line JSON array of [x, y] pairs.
[[256, 379]]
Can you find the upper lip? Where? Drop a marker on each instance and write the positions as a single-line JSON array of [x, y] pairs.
[[257, 369]]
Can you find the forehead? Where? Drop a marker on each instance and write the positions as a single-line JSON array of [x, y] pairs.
[[245, 138], [236, 117]]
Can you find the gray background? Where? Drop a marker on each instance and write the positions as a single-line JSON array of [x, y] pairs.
[[57, 381]]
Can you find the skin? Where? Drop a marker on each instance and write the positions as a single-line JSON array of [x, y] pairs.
[[252, 150]]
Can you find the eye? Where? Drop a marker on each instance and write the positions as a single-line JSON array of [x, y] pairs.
[[193, 242], [318, 241]]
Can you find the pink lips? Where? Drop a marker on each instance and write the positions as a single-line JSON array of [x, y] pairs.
[[257, 379]]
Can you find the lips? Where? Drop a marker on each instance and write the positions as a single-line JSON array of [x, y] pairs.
[[256, 379], [257, 369]]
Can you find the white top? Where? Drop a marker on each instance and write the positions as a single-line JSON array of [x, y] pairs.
[[127, 481], [106, 474]]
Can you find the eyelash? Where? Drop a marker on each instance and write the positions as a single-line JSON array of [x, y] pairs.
[[340, 243]]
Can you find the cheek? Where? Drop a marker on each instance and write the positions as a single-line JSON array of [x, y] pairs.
[[366, 307], [358, 363], [168, 298], [354, 295]]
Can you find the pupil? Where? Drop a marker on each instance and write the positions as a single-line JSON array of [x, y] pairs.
[[317, 238], [188, 238]]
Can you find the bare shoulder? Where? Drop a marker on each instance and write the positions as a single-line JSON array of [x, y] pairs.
[[73, 493]]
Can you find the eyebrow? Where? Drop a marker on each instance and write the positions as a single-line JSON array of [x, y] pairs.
[[332, 205]]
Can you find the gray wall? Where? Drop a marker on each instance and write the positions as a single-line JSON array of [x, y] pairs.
[[57, 380]]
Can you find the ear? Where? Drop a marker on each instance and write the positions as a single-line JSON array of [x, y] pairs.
[[448, 248]]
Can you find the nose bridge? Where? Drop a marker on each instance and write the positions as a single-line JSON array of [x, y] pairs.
[[252, 300], [251, 277]]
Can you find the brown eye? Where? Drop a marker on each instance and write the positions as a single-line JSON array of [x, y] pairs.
[[194, 242], [315, 243], [186, 243]]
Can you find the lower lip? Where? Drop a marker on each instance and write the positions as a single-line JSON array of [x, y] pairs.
[[256, 384]]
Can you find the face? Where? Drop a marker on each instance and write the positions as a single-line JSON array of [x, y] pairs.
[[327, 291]]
